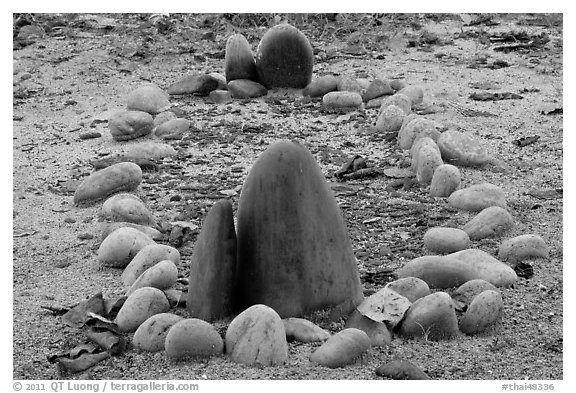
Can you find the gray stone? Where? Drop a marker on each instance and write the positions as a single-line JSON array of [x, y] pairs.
[[432, 316], [151, 334], [493, 221], [147, 257], [148, 98], [200, 84], [412, 288], [118, 249], [377, 88], [519, 248], [342, 101], [466, 292], [320, 86], [341, 349], [440, 240], [445, 181], [377, 331], [257, 337], [172, 128], [302, 330], [245, 88], [390, 119], [478, 197], [462, 149], [163, 117], [483, 313], [415, 93], [428, 159], [140, 306], [128, 125], [162, 275], [417, 128], [150, 150], [193, 338], [397, 84], [401, 370], [127, 207], [123, 176], [400, 100], [348, 83], [220, 97]]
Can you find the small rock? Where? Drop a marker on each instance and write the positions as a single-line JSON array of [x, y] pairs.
[[200, 84], [147, 257], [386, 306], [148, 98], [108, 228], [432, 317], [302, 330], [341, 101], [130, 125], [150, 150], [128, 208], [222, 84], [445, 181], [30, 32], [377, 88], [483, 313], [401, 370], [446, 240], [377, 331], [257, 336], [350, 84], [140, 306], [462, 149], [364, 83], [220, 97], [490, 222], [193, 338], [417, 145], [415, 93], [375, 103], [151, 334], [417, 128], [478, 197], [162, 275], [163, 117], [428, 159], [124, 176], [412, 288], [399, 100], [118, 249], [397, 84], [466, 292], [245, 88], [171, 128], [390, 119], [320, 86], [341, 349], [515, 250]]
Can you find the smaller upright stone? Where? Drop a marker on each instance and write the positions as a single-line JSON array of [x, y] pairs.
[[245, 88], [377, 88], [239, 59], [130, 125], [445, 181], [148, 98]]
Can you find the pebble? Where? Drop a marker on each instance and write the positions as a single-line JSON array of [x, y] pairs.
[[432, 316], [257, 337], [415, 93], [412, 288], [222, 84], [140, 306], [118, 249], [151, 334], [390, 119], [148, 98], [320, 86], [377, 332], [220, 97], [386, 306], [445, 181], [417, 128], [124, 176], [147, 257], [348, 83], [239, 60], [212, 265], [440, 240], [342, 101], [163, 117], [162, 275], [493, 221], [462, 149], [30, 32], [428, 159], [302, 330], [397, 84], [245, 88], [377, 88], [417, 145], [401, 370], [517, 249], [108, 228], [128, 125], [200, 84], [375, 103], [399, 100], [172, 128], [483, 313], [150, 150], [466, 292], [128, 208], [478, 197], [342, 348], [193, 338]]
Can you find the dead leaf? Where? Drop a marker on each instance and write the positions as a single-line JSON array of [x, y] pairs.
[[78, 315], [386, 306]]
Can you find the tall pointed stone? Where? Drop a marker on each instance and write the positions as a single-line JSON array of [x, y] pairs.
[[294, 253], [213, 266]]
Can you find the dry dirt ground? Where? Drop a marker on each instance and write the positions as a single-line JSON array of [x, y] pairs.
[[64, 82]]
